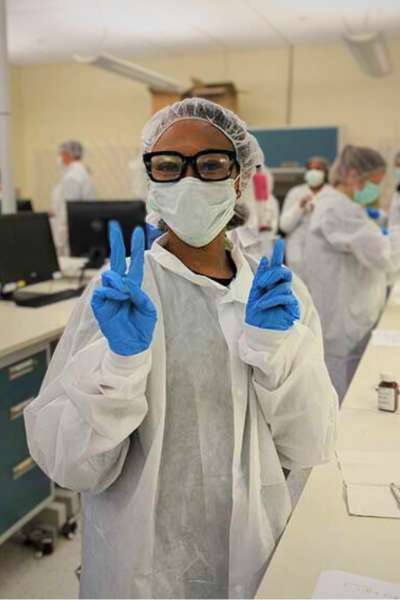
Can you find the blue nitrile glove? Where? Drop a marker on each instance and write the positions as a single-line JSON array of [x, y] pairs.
[[125, 314], [152, 234], [385, 230], [271, 303], [373, 213]]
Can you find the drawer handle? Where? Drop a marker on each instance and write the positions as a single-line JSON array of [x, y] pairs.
[[17, 410], [23, 467], [21, 369]]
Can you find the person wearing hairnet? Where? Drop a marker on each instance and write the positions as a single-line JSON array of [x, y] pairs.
[[297, 209], [75, 184], [394, 212], [348, 261], [246, 234], [184, 384]]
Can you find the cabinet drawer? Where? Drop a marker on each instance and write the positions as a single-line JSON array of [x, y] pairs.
[[23, 487], [13, 444], [22, 379]]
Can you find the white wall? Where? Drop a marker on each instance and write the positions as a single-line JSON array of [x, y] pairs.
[[53, 103]]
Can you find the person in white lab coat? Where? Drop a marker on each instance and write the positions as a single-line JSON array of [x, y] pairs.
[[394, 212], [348, 260], [75, 184], [247, 235], [297, 210], [182, 388]]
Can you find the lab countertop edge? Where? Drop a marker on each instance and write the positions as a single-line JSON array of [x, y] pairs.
[[321, 535], [22, 327]]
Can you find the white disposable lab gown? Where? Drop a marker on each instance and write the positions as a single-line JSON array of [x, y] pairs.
[[179, 450], [295, 222], [75, 184], [251, 241], [394, 212], [347, 264]]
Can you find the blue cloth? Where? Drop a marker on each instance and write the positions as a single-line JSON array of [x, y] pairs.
[[271, 303], [125, 314], [152, 234], [373, 213]]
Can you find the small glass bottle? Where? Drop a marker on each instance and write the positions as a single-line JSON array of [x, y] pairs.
[[388, 394]]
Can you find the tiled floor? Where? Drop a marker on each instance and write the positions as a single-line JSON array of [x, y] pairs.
[[24, 576]]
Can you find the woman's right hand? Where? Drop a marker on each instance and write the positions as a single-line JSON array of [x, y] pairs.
[[124, 312]]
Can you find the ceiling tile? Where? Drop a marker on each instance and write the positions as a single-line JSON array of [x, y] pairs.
[[51, 30]]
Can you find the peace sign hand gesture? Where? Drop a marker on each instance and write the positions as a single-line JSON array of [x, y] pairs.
[[272, 303], [124, 312]]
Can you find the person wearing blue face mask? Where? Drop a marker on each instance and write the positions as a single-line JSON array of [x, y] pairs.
[[349, 261], [394, 212], [186, 381]]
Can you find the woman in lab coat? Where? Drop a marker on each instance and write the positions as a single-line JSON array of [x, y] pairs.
[[297, 210], [347, 261], [75, 184], [394, 212], [181, 387]]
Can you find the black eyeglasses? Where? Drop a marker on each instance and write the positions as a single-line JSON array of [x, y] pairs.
[[208, 165]]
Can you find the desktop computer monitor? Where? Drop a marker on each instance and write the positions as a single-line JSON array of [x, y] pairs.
[[27, 251], [88, 226], [23, 205]]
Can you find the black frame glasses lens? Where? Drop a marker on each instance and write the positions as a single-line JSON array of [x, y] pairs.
[[208, 165]]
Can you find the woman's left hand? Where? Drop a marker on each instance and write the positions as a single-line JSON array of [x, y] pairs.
[[272, 303]]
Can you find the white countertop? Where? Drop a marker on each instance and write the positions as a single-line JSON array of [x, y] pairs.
[[321, 535], [21, 327]]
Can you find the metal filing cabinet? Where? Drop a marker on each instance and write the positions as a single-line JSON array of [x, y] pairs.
[[24, 488]]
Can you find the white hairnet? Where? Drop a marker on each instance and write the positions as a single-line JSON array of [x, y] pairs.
[[257, 151], [73, 147], [222, 118], [320, 159], [362, 160]]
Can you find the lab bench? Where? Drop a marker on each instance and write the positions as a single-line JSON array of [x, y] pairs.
[[321, 535], [27, 340]]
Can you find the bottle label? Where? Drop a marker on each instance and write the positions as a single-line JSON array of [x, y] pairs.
[[386, 399]]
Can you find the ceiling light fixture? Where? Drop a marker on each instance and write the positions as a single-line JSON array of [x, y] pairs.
[[154, 80], [370, 52]]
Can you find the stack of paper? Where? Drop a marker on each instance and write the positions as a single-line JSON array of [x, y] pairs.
[[386, 337], [367, 477], [339, 584]]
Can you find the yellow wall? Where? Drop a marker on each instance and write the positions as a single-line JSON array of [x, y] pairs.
[[53, 103]]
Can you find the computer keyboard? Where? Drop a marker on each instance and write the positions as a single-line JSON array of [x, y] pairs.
[[35, 300]]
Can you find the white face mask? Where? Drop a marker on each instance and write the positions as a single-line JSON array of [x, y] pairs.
[[196, 211], [314, 177]]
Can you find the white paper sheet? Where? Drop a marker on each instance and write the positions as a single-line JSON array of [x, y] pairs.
[[386, 337], [371, 501], [339, 584], [367, 477]]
